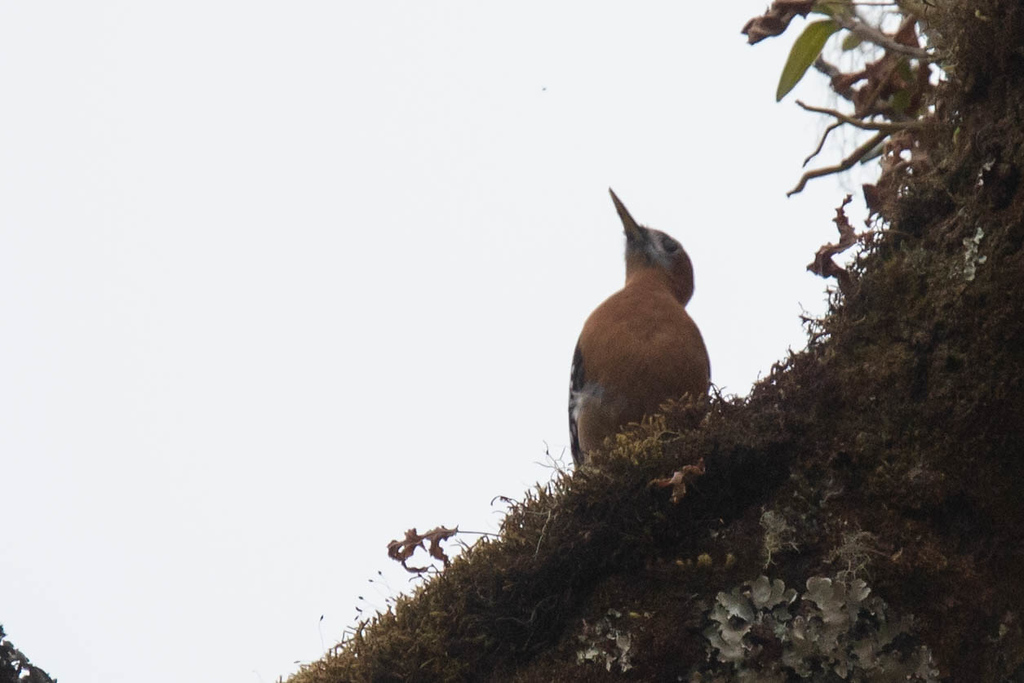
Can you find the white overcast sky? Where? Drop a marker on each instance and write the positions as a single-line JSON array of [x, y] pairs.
[[280, 280]]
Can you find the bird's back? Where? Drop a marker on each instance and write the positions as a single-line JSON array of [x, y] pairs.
[[637, 350]]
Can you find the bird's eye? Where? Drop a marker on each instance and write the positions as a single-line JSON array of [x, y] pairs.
[[669, 245]]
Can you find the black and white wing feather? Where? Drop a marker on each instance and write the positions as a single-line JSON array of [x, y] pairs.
[[577, 380]]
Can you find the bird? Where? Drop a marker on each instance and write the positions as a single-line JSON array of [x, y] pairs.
[[639, 348]]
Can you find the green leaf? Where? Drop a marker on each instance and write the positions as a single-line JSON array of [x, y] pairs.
[[874, 153], [901, 100], [805, 50], [903, 69], [851, 41]]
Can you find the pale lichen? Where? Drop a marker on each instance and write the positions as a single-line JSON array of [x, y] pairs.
[[778, 535], [834, 630], [972, 257], [606, 642]]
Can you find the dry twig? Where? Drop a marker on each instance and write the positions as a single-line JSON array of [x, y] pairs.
[[844, 165], [884, 40], [886, 127]]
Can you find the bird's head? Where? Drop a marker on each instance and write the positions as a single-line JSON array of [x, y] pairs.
[[650, 250]]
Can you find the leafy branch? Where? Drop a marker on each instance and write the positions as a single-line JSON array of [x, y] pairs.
[[889, 95]]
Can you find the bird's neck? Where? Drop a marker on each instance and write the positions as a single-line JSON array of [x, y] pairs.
[[653, 279]]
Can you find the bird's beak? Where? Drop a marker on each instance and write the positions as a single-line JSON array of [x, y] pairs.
[[634, 233]]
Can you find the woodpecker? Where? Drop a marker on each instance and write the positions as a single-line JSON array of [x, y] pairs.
[[640, 347]]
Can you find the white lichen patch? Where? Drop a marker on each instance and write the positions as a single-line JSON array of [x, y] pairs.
[[762, 631], [606, 642], [972, 256], [778, 535]]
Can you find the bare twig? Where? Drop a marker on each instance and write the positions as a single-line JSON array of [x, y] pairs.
[[886, 127], [821, 143], [874, 35], [826, 67], [841, 83], [844, 165]]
